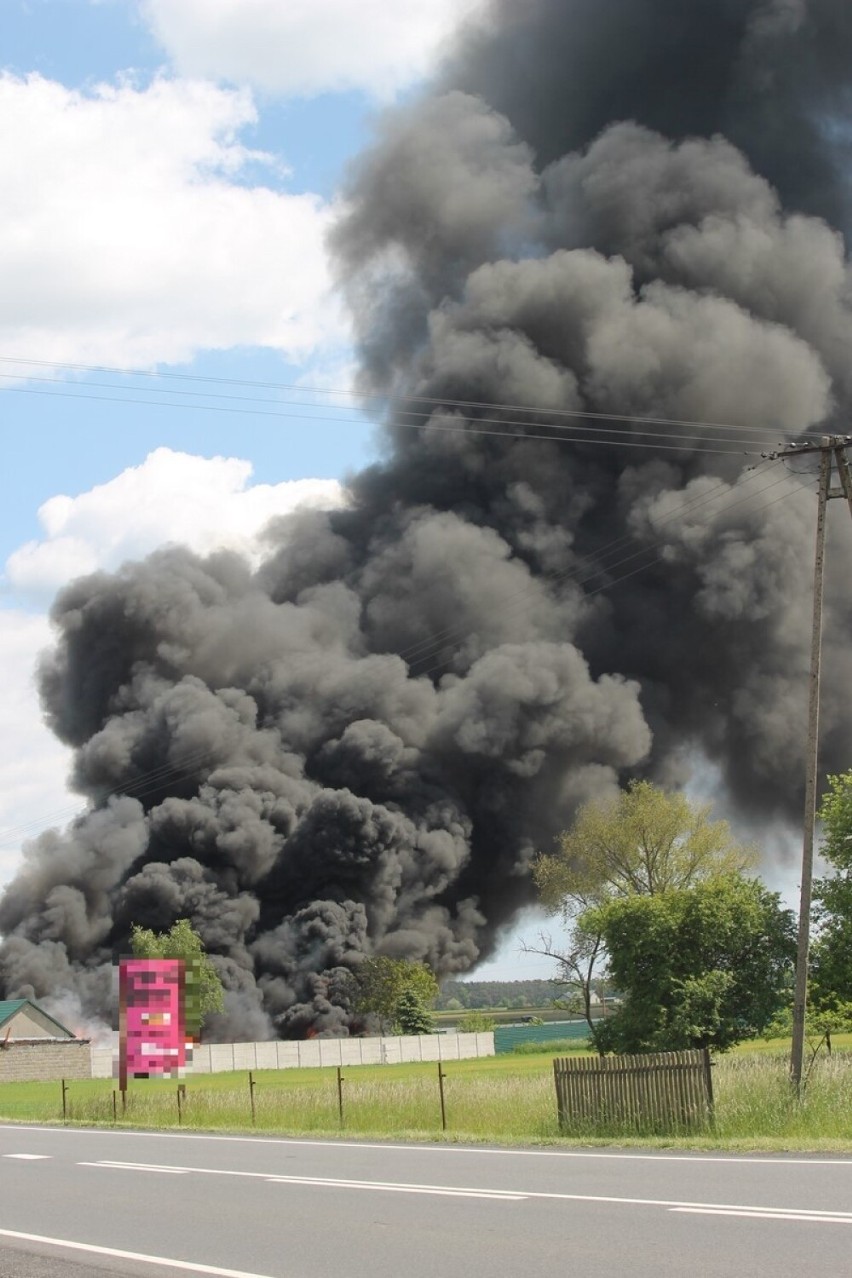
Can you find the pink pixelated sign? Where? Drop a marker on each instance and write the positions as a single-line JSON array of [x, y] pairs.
[[152, 1037]]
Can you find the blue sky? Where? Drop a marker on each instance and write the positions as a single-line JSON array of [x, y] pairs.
[[169, 170], [58, 445]]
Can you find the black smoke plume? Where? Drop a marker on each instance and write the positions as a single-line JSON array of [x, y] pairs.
[[629, 207]]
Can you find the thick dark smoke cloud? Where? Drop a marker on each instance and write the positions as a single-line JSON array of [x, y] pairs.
[[634, 208]]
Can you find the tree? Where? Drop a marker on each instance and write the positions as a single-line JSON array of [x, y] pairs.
[[642, 842], [578, 963], [412, 1016], [704, 966], [204, 993], [831, 954], [476, 1023], [382, 981]]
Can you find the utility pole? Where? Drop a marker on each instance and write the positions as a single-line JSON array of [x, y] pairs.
[[831, 450]]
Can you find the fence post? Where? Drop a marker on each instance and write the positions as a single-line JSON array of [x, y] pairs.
[[251, 1097], [64, 1090], [340, 1081], [114, 1107], [441, 1077], [181, 1096], [708, 1080], [560, 1114]]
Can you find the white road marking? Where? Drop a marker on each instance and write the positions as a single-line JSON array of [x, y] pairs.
[[187, 1265], [273, 1178], [813, 1218], [509, 1195], [765, 1160], [151, 1167], [28, 1157], [500, 1194]]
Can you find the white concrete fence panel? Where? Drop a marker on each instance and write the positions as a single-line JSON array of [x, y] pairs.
[[218, 1058]]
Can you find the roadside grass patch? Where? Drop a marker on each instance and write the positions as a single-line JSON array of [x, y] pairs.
[[559, 1047], [503, 1099]]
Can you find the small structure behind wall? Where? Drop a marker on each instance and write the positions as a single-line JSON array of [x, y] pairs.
[[34, 1046]]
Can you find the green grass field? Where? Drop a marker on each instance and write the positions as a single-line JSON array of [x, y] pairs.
[[506, 1099]]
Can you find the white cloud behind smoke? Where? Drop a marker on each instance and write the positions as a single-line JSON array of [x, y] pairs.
[[32, 762], [205, 503], [306, 47]]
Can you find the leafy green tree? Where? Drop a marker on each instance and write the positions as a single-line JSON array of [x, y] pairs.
[[705, 966], [412, 1016], [831, 954], [204, 993], [382, 981], [642, 842]]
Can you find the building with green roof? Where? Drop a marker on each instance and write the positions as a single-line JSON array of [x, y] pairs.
[[21, 1018]]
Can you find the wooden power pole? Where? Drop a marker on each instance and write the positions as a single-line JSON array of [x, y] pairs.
[[831, 450]]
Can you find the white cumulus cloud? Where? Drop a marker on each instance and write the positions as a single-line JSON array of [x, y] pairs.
[[304, 47], [134, 228], [201, 502], [33, 764]]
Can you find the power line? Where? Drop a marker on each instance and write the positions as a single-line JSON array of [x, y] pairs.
[[425, 426], [434, 401], [421, 650], [652, 563], [426, 416]]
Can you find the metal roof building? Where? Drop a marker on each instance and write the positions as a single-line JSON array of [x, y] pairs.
[[20, 1018]]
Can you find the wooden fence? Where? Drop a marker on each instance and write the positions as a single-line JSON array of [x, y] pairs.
[[661, 1092]]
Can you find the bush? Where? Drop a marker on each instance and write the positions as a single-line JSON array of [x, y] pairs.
[[476, 1023]]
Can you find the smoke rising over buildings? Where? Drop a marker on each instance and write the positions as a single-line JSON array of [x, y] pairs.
[[637, 209]]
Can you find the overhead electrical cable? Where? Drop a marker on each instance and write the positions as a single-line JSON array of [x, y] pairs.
[[433, 400], [597, 572], [424, 426], [569, 575]]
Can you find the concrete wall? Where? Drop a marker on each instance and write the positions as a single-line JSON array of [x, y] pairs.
[[217, 1058], [45, 1060]]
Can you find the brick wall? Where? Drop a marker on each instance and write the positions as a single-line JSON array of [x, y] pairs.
[[45, 1060]]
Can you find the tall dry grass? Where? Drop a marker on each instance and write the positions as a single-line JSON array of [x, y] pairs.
[[503, 1099]]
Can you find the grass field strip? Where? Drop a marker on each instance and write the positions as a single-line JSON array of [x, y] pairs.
[[814, 1216], [491, 1101]]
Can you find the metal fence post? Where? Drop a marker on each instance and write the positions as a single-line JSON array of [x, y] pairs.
[[340, 1081], [441, 1077], [251, 1097]]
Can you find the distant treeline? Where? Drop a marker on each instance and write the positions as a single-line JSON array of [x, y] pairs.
[[483, 994]]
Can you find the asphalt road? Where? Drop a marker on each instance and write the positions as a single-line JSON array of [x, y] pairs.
[[77, 1202]]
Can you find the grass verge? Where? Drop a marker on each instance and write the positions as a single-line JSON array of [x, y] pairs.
[[505, 1099]]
